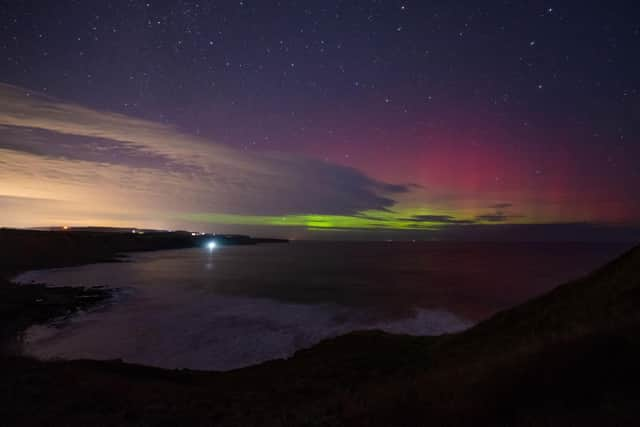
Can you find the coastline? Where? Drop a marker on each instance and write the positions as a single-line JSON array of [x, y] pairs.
[[24, 305], [27, 304], [156, 323], [568, 357]]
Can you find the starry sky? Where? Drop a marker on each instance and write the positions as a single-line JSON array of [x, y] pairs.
[[323, 119]]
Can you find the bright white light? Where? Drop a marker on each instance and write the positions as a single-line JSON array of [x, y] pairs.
[[211, 245]]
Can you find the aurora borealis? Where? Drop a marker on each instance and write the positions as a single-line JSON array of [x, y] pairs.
[[310, 119]]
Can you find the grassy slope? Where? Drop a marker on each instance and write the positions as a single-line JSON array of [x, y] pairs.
[[567, 358]]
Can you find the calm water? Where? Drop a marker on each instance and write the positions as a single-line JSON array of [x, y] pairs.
[[241, 305]]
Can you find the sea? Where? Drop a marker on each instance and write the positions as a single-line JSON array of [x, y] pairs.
[[237, 306]]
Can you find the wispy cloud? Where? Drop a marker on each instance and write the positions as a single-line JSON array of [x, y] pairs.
[[501, 206], [494, 217], [438, 219], [499, 215], [102, 161]]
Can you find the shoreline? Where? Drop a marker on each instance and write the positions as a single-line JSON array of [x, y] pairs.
[[40, 303], [568, 357], [275, 345], [26, 304]]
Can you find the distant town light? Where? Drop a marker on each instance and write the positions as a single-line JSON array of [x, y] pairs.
[[211, 245]]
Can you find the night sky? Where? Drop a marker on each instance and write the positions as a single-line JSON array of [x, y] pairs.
[[323, 119]]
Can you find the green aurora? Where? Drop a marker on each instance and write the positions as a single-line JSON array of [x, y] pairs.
[[413, 219]]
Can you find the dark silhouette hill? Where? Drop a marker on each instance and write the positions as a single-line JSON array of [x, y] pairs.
[[22, 250]]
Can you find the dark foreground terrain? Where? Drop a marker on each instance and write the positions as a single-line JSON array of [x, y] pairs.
[[570, 357]]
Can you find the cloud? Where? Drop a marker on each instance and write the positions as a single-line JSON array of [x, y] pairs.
[[440, 219], [501, 206], [494, 217], [105, 162], [499, 215], [73, 147]]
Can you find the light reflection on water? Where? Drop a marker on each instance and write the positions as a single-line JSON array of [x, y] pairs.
[[237, 306]]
